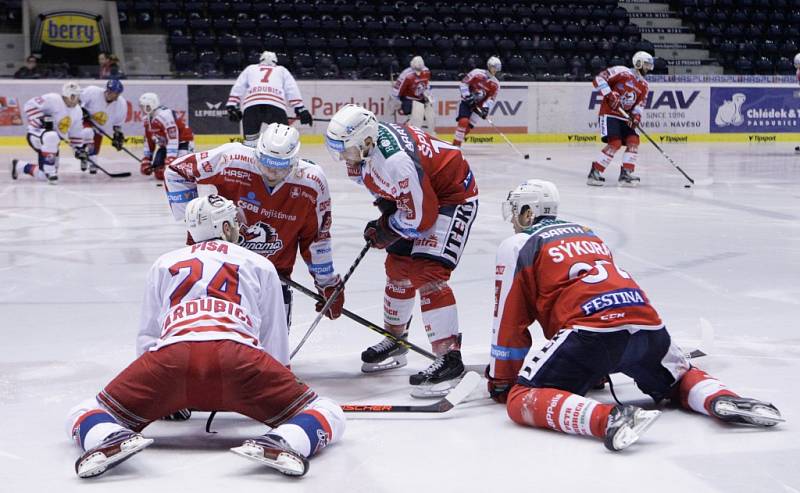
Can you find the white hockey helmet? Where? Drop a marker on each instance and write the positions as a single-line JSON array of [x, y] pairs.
[[348, 131], [149, 102], [417, 64], [539, 195], [643, 62], [205, 216], [278, 147], [268, 58], [797, 61], [71, 91], [494, 63]]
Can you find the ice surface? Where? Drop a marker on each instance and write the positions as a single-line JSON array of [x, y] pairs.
[[73, 258]]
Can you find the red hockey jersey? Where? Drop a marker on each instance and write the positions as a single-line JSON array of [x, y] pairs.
[[483, 85], [164, 128], [563, 275], [631, 87], [411, 85]]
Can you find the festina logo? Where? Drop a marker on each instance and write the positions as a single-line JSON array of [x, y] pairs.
[[213, 110]]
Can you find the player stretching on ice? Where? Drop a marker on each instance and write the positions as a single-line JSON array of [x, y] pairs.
[[285, 200], [262, 91], [212, 337], [478, 94], [412, 90], [598, 322], [166, 136], [622, 89], [52, 118], [428, 200], [106, 109]]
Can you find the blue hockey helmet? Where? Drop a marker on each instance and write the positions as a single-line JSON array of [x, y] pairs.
[[114, 85]]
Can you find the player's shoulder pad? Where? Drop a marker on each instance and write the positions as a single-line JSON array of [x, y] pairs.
[[311, 175], [508, 250]]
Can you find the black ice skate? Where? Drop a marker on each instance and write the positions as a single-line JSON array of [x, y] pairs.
[[84, 165], [385, 355], [273, 451], [797, 149], [626, 424], [438, 379], [595, 179], [115, 449], [742, 410], [627, 178]]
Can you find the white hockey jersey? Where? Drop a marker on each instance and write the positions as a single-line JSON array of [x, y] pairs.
[[265, 84], [105, 115], [214, 290], [68, 122]]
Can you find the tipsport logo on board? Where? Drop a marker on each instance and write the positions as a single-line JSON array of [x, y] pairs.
[[667, 110], [755, 110]]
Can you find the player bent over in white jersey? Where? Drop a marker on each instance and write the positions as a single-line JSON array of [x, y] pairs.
[[52, 118], [212, 337], [103, 109], [285, 201], [598, 321]]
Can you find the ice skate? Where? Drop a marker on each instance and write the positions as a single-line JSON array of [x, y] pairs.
[[797, 149], [439, 378], [92, 168], [747, 411], [52, 179], [383, 356], [595, 179], [627, 178], [626, 424], [84, 164], [274, 452], [115, 449], [14, 170]]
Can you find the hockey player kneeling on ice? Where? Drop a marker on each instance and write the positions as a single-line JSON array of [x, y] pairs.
[[412, 90], [52, 118], [428, 200], [479, 90], [105, 109], [166, 136], [260, 96], [285, 201], [598, 321], [212, 337], [622, 89]]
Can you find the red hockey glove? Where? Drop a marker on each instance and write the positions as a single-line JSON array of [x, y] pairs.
[[326, 292], [635, 120], [146, 167], [498, 388], [379, 233], [612, 99]]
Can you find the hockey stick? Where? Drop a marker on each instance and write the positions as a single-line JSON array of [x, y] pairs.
[[123, 174], [322, 119], [358, 319], [333, 297], [524, 156], [451, 400], [103, 132]]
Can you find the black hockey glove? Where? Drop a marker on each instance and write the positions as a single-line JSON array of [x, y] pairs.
[[379, 233], [87, 117], [81, 154], [234, 113], [482, 111], [118, 140], [47, 122], [386, 206], [304, 116]]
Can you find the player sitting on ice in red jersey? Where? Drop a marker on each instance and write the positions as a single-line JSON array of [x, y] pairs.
[[167, 136], [285, 201], [428, 200], [598, 321], [212, 337], [412, 90], [479, 90], [622, 89]]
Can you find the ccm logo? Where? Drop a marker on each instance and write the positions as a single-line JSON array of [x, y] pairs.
[[613, 316]]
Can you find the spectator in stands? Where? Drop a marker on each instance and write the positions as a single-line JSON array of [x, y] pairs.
[[30, 70], [109, 66]]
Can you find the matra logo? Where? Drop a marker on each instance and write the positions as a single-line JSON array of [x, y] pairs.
[[260, 238], [674, 100]]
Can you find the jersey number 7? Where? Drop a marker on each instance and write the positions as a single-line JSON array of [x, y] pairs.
[[224, 285]]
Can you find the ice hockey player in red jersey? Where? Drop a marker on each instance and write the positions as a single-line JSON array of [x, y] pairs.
[[412, 90], [624, 90], [262, 94], [285, 201], [53, 117], [212, 337], [167, 136], [479, 90], [592, 312], [428, 200]]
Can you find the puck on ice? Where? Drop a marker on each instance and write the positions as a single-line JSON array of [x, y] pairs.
[[548, 158], [687, 186]]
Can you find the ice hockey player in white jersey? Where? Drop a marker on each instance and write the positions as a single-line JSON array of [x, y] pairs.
[[262, 94], [106, 109], [52, 118], [212, 320], [412, 91]]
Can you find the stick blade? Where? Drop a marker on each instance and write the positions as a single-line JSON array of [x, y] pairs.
[[463, 389]]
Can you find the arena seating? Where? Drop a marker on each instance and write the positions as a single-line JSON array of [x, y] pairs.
[[360, 39], [747, 36]]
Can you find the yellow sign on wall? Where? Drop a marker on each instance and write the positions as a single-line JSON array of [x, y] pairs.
[[70, 31]]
